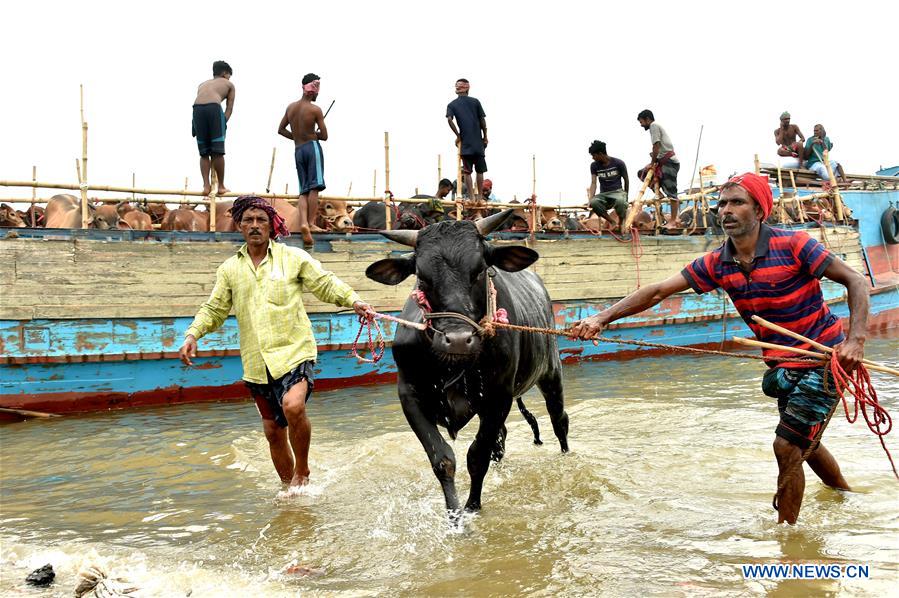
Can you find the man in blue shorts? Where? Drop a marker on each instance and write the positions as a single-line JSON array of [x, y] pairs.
[[210, 123], [775, 274], [306, 124], [471, 133]]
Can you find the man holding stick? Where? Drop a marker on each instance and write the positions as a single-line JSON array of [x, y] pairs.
[[307, 128], [264, 282], [774, 274], [663, 163]]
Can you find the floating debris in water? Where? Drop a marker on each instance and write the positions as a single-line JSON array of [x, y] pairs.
[[41, 577]]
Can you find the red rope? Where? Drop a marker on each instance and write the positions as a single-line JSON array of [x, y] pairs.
[[859, 385], [376, 346]]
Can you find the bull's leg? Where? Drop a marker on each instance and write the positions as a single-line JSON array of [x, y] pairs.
[[443, 461], [532, 421], [499, 448], [480, 450], [551, 387]]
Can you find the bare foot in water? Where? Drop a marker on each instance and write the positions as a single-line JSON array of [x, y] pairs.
[[299, 480]]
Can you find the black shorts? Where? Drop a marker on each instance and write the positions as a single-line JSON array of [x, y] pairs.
[[270, 397], [209, 128], [479, 163]]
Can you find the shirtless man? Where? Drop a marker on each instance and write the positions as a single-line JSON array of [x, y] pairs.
[[209, 123], [307, 128], [785, 136]]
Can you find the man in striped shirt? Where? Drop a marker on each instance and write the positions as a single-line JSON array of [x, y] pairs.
[[264, 283], [775, 274]]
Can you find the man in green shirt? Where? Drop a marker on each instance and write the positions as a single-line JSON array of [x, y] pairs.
[[264, 283], [814, 155]]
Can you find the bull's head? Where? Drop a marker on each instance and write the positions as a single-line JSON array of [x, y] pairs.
[[450, 260]]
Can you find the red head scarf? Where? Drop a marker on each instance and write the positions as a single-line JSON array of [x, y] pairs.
[[245, 202], [758, 189]]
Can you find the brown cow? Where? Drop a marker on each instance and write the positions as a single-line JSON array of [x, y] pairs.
[[138, 220], [184, 219], [333, 215], [34, 214], [64, 211], [9, 217], [551, 220]]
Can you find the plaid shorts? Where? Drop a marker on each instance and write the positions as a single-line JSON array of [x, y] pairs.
[[802, 400], [270, 397]]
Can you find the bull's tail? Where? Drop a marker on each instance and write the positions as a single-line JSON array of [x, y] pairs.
[[529, 417]]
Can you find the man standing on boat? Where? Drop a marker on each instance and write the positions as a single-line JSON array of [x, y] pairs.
[[210, 123], [775, 274], [663, 163], [814, 155], [306, 128], [264, 283], [614, 185], [471, 133], [787, 144]]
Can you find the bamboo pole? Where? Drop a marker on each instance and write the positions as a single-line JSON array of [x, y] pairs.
[[754, 343], [758, 166], [387, 180], [534, 176], [271, 169], [27, 413], [82, 181], [795, 335], [349, 190], [439, 168], [33, 194], [780, 196], [459, 172], [184, 196], [374, 184], [798, 202], [637, 207], [837, 199]]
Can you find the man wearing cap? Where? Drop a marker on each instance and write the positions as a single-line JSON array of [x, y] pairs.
[[264, 282], [775, 274], [787, 145], [471, 133]]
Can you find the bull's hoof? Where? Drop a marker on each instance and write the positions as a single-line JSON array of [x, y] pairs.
[[538, 442], [472, 507], [565, 449]]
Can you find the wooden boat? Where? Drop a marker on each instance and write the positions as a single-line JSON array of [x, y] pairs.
[[92, 320]]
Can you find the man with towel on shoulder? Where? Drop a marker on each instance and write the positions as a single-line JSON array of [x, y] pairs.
[[210, 123], [264, 283], [774, 274], [307, 128]]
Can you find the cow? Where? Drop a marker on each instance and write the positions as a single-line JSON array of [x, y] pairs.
[[138, 220], [405, 216], [333, 216], [551, 220], [33, 216], [455, 369], [704, 220], [64, 211], [186, 219], [10, 218], [225, 223]]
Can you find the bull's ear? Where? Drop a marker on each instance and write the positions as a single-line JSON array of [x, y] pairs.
[[392, 270], [511, 258]]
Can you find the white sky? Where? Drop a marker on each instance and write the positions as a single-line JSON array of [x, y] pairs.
[[551, 77]]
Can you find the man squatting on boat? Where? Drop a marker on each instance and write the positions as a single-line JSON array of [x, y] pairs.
[[210, 123], [775, 274], [264, 282]]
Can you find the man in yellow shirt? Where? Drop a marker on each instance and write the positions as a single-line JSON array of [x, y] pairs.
[[264, 282]]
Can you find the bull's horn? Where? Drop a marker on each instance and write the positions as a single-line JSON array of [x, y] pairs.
[[405, 237], [490, 223]]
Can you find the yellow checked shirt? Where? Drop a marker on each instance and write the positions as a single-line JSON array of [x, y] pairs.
[[275, 332]]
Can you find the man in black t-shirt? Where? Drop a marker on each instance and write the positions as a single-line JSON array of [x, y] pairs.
[[471, 134], [613, 184]]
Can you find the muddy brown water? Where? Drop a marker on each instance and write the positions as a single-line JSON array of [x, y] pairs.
[[666, 491]]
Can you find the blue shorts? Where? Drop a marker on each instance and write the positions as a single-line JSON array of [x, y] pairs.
[[310, 166], [802, 400], [209, 127]]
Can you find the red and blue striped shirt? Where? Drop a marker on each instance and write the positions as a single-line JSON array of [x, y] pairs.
[[782, 287]]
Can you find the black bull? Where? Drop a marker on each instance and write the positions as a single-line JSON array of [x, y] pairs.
[[450, 372]]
